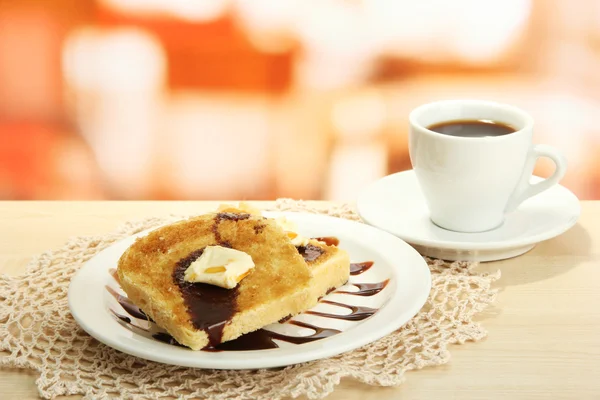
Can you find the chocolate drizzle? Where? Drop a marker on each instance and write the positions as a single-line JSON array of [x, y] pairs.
[[310, 252], [263, 339], [329, 240], [367, 289], [359, 268], [358, 313], [285, 319], [320, 333], [123, 318], [159, 335], [127, 305], [210, 307], [257, 340], [166, 338]]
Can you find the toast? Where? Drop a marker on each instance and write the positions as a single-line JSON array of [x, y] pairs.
[[286, 280]]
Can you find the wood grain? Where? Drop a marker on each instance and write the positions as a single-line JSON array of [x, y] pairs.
[[544, 330]]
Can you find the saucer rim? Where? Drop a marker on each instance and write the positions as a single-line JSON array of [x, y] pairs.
[[468, 245]]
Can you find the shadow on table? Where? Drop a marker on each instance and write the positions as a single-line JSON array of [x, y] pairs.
[[548, 259]]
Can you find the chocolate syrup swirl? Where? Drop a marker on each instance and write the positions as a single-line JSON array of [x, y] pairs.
[[127, 305], [123, 318], [367, 289], [359, 268], [358, 313], [210, 307], [166, 338], [320, 333], [160, 336], [263, 339], [310, 252], [329, 240]]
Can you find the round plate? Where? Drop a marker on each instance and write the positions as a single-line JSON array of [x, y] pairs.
[[93, 292], [396, 204]]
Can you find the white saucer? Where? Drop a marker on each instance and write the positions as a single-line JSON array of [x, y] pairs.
[[396, 204]]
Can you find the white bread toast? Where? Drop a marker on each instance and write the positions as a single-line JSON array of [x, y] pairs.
[[198, 315]]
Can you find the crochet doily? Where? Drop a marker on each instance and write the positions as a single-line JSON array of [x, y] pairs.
[[38, 332]]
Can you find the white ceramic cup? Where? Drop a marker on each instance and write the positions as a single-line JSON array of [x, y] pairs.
[[470, 183]]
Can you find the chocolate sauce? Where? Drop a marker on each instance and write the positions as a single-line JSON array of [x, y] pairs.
[[285, 319], [123, 318], [263, 339], [160, 336], [210, 307], [127, 305], [320, 333], [128, 323], [359, 268], [329, 240], [310, 252], [166, 338], [358, 313], [367, 289]]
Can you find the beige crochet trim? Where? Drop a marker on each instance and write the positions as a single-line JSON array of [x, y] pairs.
[[38, 332]]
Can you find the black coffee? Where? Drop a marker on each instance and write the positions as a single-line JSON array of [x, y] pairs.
[[472, 128]]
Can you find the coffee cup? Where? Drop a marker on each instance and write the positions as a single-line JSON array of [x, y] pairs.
[[474, 159]]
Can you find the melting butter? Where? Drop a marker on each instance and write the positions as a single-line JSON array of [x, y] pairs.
[[220, 266], [291, 229]]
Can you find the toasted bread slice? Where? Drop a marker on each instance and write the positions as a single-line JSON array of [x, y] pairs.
[[150, 273], [286, 280], [329, 265]]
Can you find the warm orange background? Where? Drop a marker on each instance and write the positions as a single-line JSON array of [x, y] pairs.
[[215, 99]]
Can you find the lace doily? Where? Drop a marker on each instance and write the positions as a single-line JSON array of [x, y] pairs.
[[38, 332]]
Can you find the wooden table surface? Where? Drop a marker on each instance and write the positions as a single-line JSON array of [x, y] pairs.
[[544, 330]]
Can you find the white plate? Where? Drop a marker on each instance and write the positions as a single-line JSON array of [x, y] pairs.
[[406, 292], [396, 204]]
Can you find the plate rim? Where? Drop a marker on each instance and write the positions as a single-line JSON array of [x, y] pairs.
[[419, 270], [469, 245]]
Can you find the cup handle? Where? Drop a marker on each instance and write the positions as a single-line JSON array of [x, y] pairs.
[[525, 189]]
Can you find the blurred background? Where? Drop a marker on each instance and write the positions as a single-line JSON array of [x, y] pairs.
[[256, 99]]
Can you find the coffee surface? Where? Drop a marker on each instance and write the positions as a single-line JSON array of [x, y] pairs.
[[472, 128]]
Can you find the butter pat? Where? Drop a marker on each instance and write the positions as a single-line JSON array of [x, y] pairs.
[[220, 266], [296, 239], [291, 230]]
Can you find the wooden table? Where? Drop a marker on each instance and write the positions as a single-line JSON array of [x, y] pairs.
[[544, 330]]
